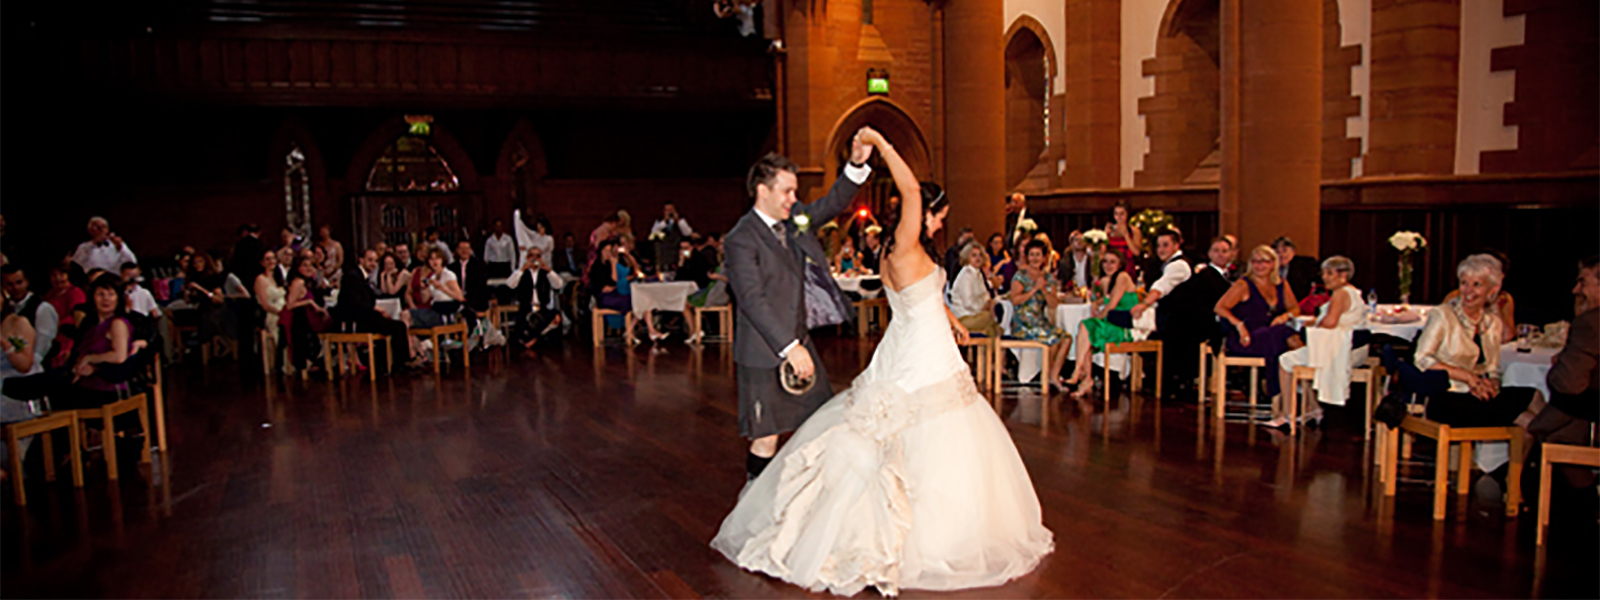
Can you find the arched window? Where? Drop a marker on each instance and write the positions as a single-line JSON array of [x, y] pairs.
[[410, 164], [297, 192]]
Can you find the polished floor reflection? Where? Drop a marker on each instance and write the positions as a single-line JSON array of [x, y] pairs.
[[605, 473]]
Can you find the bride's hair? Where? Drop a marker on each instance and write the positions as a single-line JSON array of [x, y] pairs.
[[933, 200]]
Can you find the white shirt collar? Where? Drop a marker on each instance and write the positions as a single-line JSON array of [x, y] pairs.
[[764, 218]]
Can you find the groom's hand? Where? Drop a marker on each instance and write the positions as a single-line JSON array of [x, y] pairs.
[[860, 151], [803, 367]]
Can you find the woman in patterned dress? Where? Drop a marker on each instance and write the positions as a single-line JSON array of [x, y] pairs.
[[1034, 292]]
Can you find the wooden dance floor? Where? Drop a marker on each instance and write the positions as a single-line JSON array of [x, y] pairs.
[[584, 474]]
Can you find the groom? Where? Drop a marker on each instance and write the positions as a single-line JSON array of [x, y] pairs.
[[766, 254]]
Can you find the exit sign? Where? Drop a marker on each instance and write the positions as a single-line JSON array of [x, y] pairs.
[[877, 82]]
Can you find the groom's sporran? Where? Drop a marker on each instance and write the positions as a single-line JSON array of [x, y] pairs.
[[792, 382]]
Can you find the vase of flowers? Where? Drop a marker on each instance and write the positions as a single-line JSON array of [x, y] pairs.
[[1095, 239], [1408, 244]]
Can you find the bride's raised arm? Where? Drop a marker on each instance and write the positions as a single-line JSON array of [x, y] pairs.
[[909, 230]]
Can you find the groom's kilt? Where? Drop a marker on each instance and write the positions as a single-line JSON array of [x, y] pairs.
[[766, 409]]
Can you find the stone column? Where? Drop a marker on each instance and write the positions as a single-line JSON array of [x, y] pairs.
[[1271, 122], [974, 114]]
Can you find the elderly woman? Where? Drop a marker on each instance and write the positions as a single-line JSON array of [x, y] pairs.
[[1257, 309], [1328, 342], [1502, 302], [1034, 293], [1462, 338], [970, 299]]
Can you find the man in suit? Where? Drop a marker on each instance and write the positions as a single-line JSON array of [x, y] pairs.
[[765, 266], [569, 259], [357, 311], [1297, 271], [1075, 266], [1574, 383], [1187, 317], [952, 255], [473, 275]]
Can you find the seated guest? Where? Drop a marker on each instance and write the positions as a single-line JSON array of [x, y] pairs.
[[1503, 304], [392, 277], [1074, 270], [303, 315], [569, 259], [1574, 379], [1462, 339], [1257, 309], [538, 292], [435, 293], [713, 292], [357, 311], [332, 255], [63, 297], [1034, 293], [997, 249], [431, 241], [1173, 271], [473, 275], [1109, 321], [971, 301], [19, 361], [953, 260], [1053, 260], [1328, 341], [844, 259], [608, 279], [368, 267], [104, 250], [271, 296], [40, 315], [1187, 317], [203, 290], [871, 248], [290, 239], [105, 342], [1014, 261], [319, 257], [694, 265], [1300, 272], [140, 300], [402, 252], [499, 250]]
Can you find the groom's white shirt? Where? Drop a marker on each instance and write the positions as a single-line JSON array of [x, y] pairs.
[[858, 176]]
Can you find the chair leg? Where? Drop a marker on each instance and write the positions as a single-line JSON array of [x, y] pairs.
[[161, 417], [1255, 377], [372, 360], [327, 359], [1136, 375], [466, 353], [1464, 468], [1514, 474], [1200, 383], [1107, 365], [1045, 376], [74, 434], [14, 449], [1544, 496], [1391, 459], [597, 328], [1441, 472], [1366, 419], [1160, 368], [144, 427], [108, 445], [47, 444]]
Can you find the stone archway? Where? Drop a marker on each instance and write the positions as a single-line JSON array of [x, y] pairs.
[[1183, 120], [899, 128], [1030, 73]]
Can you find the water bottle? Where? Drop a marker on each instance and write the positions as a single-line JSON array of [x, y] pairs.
[[1372, 302]]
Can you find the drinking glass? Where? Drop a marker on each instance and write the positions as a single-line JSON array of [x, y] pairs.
[[1525, 337]]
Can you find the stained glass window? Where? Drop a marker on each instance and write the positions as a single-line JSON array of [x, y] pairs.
[[411, 164]]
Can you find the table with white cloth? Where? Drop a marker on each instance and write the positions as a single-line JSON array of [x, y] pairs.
[[1068, 316], [852, 284], [1517, 369], [669, 296], [1408, 330]]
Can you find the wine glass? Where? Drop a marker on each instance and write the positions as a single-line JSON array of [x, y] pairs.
[[1525, 337]]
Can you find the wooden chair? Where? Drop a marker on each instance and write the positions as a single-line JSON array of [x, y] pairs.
[[1220, 362], [597, 325], [177, 331], [724, 323], [438, 334], [108, 433], [877, 308], [42, 427], [158, 401], [983, 359], [497, 315], [337, 343], [269, 351], [1552, 454], [1444, 436], [1137, 350], [1369, 375]]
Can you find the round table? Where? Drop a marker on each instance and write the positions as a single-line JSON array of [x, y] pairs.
[[1068, 316], [1408, 330], [1517, 369], [669, 296], [853, 284]]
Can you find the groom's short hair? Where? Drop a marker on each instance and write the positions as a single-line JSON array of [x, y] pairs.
[[766, 170]]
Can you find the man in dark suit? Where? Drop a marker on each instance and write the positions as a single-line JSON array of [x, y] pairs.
[[1075, 266], [1574, 383], [568, 259], [357, 311], [245, 264], [765, 265], [473, 275], [1297, 271], [952, 255], [1187, 317], [1016, 211]]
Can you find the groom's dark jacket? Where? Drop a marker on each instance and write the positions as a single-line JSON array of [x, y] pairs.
[[767, 279]]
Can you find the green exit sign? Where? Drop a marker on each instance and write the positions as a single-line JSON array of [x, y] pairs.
[[878, 82]]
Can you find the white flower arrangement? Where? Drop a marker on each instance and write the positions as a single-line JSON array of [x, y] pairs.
[[1095, 237], [1408, 241], [1027, 225]]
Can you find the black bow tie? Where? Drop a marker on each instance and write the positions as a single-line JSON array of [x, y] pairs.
[[103, 244]]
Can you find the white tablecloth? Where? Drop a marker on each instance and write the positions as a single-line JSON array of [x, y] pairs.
[[1516, 370], [669, 296], [852, 283], [1068, 316], [1409, 330]]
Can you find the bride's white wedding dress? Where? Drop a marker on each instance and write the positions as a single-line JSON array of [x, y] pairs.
[[905, 480]]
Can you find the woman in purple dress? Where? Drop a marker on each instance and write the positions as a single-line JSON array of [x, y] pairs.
[[1257, 310]]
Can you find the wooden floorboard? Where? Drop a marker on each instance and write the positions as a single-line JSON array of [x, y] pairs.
[[604, 473]]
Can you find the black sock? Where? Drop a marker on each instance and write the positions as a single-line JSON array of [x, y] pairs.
[[754, 465]]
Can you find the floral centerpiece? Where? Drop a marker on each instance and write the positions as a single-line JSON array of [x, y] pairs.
[[1095, 239], [1408, 243], [1027, 227]]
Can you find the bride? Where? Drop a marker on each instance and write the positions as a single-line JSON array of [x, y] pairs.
[[907, 479]]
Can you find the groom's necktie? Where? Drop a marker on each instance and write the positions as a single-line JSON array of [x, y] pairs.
[[780, 230]]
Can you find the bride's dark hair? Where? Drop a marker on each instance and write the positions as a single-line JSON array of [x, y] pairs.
[[933, 201]]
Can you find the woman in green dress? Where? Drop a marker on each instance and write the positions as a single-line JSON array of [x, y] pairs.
[[1035, 294], [1102, 327]]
